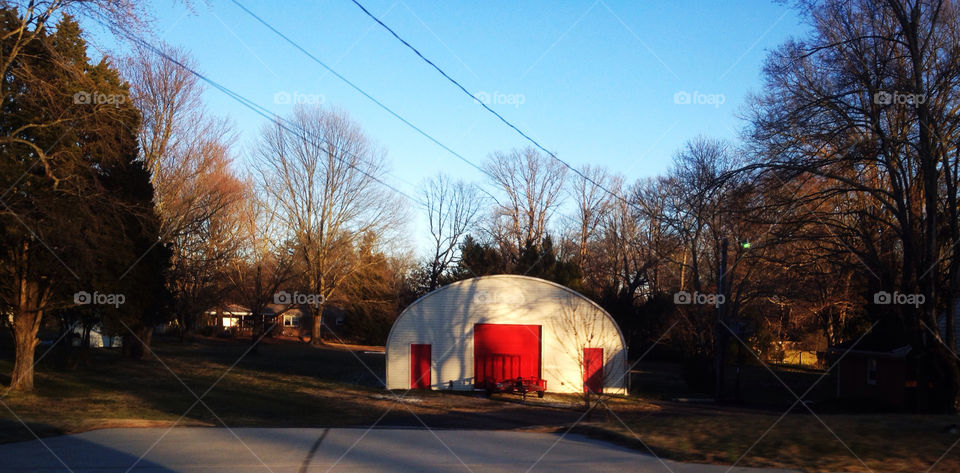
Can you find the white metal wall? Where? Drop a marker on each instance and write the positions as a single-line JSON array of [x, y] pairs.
[[444, 319]]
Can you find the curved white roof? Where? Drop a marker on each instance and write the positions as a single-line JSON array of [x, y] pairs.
[[445, 319]]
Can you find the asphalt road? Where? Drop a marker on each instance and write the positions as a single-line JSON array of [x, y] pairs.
[[286, 450]]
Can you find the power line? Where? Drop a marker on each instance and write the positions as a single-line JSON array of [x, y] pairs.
[[256, 108], [487, 108], [358, 89]]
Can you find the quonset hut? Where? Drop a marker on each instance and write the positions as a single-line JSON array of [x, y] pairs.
[[493, 328]]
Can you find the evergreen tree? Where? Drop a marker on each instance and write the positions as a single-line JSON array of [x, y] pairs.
[[67, 162]]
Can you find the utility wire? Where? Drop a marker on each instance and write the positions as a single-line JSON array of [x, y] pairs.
[[358, 89], [487, 108], [282, 122]]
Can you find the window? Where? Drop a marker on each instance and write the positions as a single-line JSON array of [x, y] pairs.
[[291, 320], [872, 371], [229, 321]]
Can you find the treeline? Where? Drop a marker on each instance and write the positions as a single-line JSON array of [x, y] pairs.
[[833, 220], [838, 202], [124, 206]]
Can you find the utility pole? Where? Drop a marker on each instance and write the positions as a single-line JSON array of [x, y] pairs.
[[720, 331]]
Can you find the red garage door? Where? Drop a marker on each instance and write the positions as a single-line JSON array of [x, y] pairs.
[[504, 351]]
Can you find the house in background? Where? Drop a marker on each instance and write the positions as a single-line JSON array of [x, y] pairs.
[[227, 316], [289, 320], [95, 338], [334, 321], [874, 375], [882, 370], [238, 320]]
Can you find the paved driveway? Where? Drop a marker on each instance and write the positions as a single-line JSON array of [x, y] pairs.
[[286, 450]]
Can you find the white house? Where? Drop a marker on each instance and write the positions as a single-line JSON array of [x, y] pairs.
[[230, 315], [506, 326]]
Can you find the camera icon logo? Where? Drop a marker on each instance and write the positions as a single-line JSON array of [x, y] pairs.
[[882, 97], [682, 297], [681, 98], [282, 98], [482, 297], [882, 297], [282, 297], [82, 298], [82, 98]]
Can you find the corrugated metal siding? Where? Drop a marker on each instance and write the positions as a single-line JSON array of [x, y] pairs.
[[445, 318]]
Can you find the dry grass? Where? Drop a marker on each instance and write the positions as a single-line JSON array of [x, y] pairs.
[[296, 385], [884, 442], [112, 391]]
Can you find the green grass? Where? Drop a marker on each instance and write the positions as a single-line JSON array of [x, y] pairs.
[[296, 385]]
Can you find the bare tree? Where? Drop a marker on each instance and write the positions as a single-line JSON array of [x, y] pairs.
[[531, 184], [452, 210], [197, 192], [264, 262], [593, 199], [34, 18], [868, 107], [635, 240], [322, 174]]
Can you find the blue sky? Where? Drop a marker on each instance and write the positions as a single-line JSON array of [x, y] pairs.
[[593, 81]]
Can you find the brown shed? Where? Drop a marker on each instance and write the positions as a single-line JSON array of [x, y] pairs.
[[874, 377]]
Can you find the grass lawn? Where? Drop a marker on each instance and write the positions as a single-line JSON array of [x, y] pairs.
[[113, 391], [286, 384], [885, 442]]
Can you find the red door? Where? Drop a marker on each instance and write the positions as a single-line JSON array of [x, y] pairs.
[[505, 351], [419, 366], [593, 370]]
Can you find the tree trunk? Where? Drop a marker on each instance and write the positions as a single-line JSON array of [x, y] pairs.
[[139, 346], [25, 341], [317, 325], [85, 338], [28, 313], [950, 325]]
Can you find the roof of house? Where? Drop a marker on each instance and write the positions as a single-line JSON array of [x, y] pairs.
[[282, 309], [899, 352], [230, 308]]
